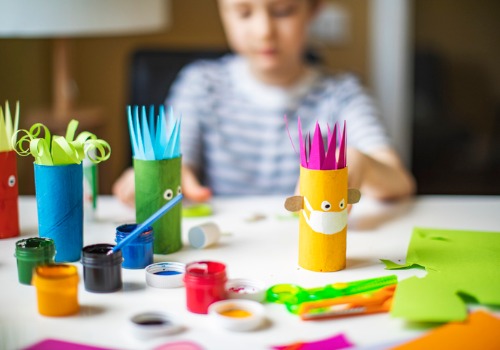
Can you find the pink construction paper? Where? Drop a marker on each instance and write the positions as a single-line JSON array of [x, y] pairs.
[[338, 341], [54, 344]]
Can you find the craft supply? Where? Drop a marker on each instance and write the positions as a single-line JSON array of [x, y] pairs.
[[9, 193], [180, 345], [59, 193], [339, 341], [148, 222], [459, 264], [204, 235], [90, 189], [195, 210], [323, 201], [57, 289], [292, 295], [357, 304], [153, 324], [165, 274], [205, 284], [237, 315], [32, 252], [241, 288], [139, 253], [102, 272], [59, 182], [156, 152], [56, 344]]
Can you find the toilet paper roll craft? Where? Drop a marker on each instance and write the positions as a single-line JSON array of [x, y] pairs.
[[323, 200], [156, 152], [9, 207], [59, 182]]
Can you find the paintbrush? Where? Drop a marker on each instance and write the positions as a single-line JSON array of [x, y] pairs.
[[149, 221]]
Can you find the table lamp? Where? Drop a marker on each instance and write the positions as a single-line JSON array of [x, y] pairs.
[[62, 20]]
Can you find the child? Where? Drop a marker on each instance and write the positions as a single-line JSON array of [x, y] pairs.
[[233, 129]]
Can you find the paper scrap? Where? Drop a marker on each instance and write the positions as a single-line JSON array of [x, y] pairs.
[[338, 341], [480, 331]]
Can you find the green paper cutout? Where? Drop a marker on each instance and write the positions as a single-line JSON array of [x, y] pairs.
[[58, 150], [7, 127], [458, 264], [153, 178]]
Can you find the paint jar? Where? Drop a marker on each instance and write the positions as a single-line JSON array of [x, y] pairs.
[[205, 284], [139, 253], [102, 272], [57, 289], [32, 252]]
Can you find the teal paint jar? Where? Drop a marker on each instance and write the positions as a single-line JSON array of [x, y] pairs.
[[32, 252]]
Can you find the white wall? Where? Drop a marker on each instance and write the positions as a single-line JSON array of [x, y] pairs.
[[391, 68]]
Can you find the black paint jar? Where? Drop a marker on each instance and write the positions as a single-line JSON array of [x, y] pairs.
[[102, 272]]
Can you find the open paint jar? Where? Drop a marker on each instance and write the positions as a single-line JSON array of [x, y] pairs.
[[237, 315], [57, 289], [165, 274], [139, 253], [102, 272], [32, 252], [153, 324], [205, 284]]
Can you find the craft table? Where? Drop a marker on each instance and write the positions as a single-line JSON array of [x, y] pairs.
[[260, 242]]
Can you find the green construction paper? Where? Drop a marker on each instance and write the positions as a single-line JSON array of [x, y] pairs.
[[197, 210], [460, 265], [154, 179], [59, 150]]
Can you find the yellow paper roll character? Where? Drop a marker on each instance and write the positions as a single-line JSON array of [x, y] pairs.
[[323, 201]]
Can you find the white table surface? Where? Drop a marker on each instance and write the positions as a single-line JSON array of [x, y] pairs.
[[265, 250]]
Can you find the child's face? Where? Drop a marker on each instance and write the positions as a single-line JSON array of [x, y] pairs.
[[270, 33]]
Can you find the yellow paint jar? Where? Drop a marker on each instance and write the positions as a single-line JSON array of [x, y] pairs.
[[57, 289]]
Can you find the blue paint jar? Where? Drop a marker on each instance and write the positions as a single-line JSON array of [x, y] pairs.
[[139, 253]]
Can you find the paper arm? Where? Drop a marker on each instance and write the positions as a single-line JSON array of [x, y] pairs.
[[353, 196], [294, 203]]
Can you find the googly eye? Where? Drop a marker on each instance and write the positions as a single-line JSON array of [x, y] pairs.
[[342, 204], [326, 206], [12, 181], [168, 194], [179, 190]]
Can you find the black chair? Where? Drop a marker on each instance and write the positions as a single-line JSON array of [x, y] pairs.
[[154, 70]]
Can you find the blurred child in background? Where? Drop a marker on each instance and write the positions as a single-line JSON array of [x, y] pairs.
[[233, 137]]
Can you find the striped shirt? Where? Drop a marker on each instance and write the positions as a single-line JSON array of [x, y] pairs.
[[233, 131]]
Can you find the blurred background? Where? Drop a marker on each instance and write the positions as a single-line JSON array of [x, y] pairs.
[[433, 65]]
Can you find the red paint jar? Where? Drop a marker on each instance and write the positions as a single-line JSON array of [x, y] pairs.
[[205, 283]]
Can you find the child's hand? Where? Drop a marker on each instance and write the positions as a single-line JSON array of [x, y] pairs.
[[124, 187], [191, 188]]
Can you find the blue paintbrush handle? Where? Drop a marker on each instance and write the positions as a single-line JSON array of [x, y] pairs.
[[139, 229]]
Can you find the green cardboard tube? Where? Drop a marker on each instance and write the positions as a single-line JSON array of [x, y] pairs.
[[157, 182]]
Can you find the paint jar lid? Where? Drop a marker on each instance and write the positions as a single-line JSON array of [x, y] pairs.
[[242, 288], [165, 274], [237, 315], [153, 324]]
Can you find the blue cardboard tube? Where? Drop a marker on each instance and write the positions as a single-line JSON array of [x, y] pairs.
[[59, 199]]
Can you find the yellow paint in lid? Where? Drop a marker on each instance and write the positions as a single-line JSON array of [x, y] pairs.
[[236, 313]]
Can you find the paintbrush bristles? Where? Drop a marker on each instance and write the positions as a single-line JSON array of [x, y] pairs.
[[313, 154]]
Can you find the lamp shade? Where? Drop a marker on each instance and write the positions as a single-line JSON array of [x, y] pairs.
[[71, 18]]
